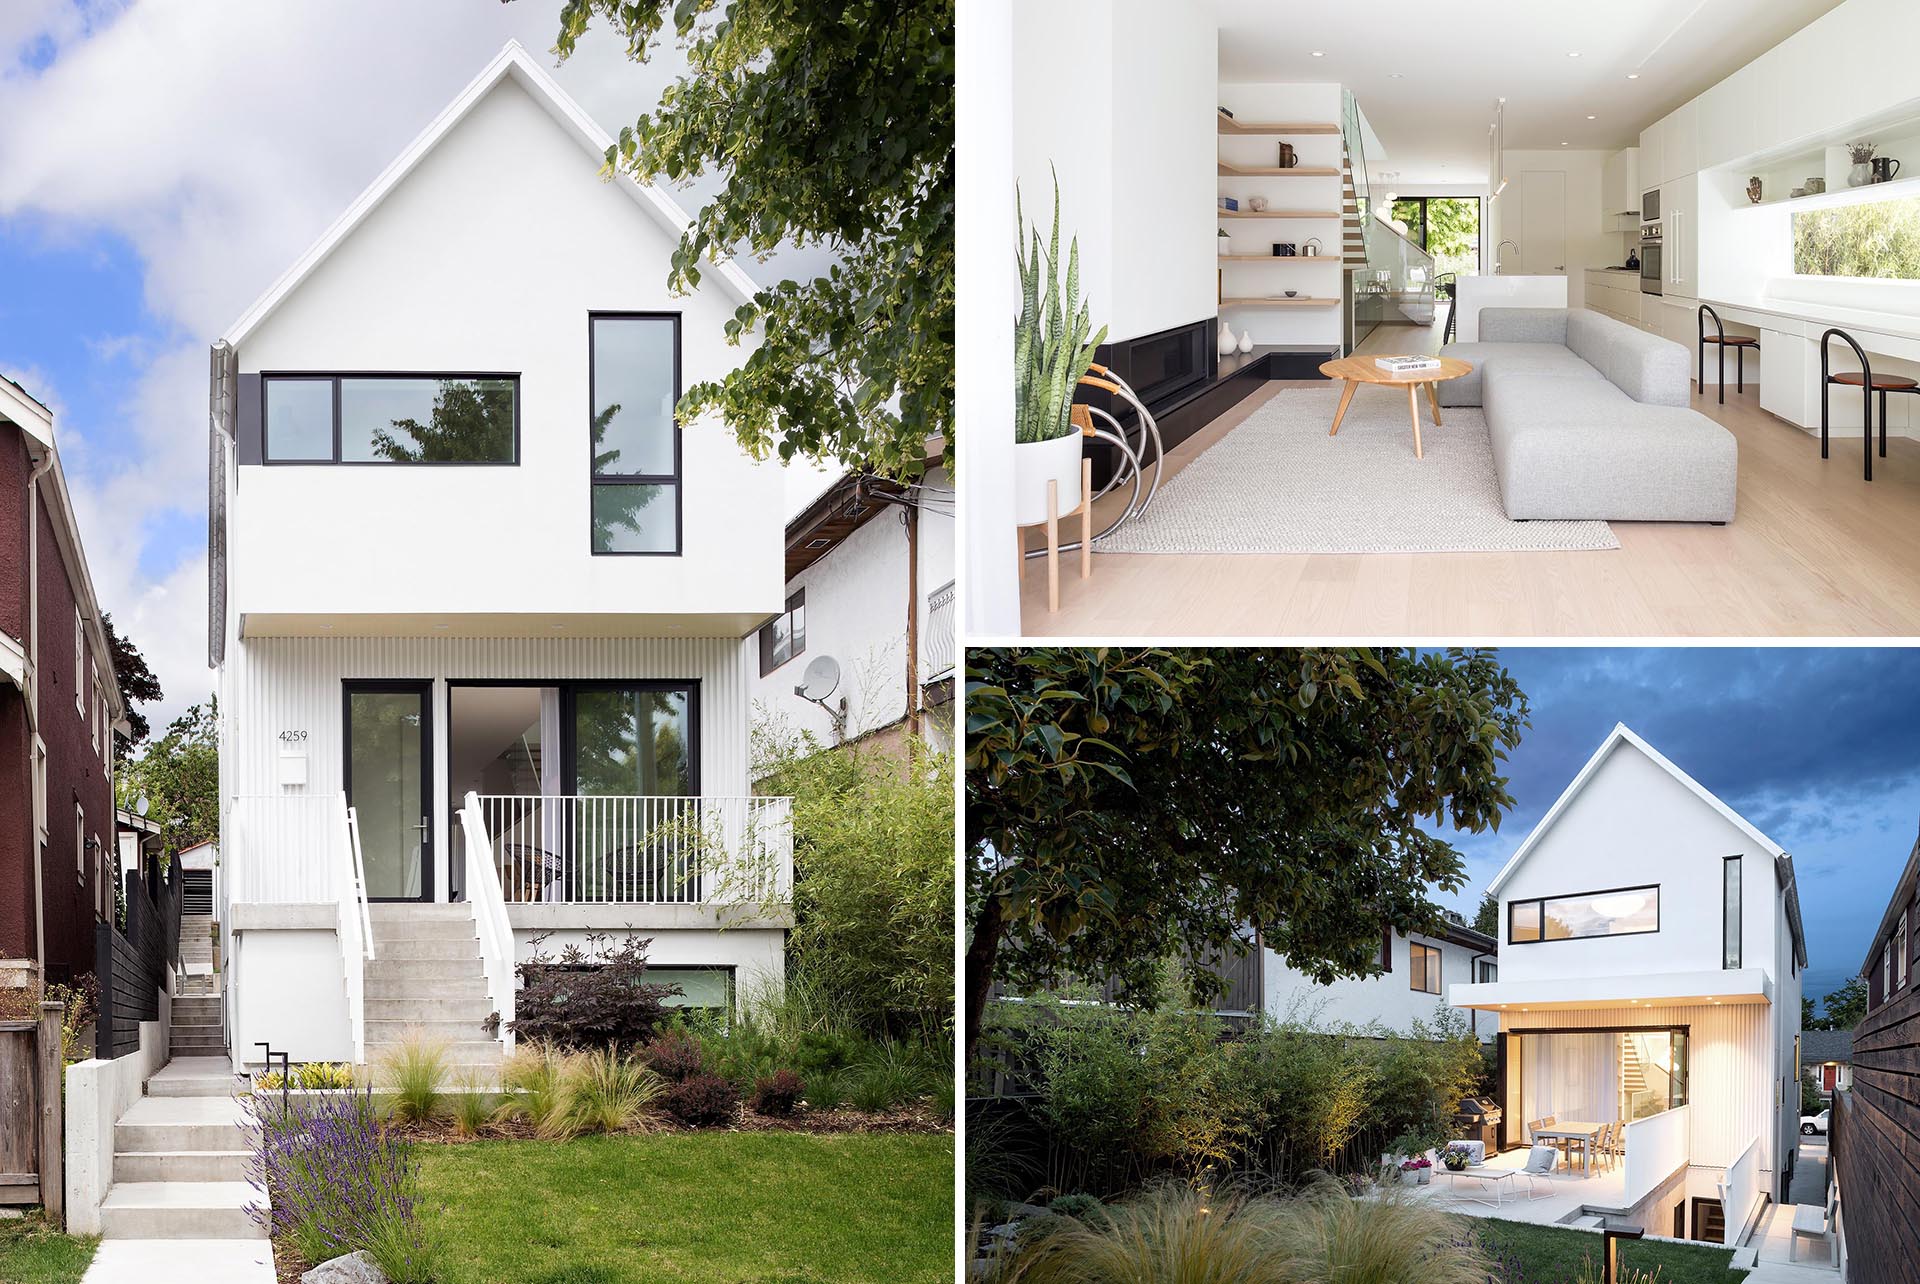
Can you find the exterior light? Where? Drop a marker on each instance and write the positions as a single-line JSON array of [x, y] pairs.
[[1611, 1237]]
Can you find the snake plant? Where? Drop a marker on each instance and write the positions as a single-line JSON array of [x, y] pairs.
[[1051, 346]]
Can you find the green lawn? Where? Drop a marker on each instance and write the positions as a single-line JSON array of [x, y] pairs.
[[1554, 1253], [698, 1208], [32, 1254]]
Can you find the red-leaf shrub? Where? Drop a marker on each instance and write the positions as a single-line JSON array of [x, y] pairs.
[[703, 1100], [590, 998], [675, 1056], [777, 1094]]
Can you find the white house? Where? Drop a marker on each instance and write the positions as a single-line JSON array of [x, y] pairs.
[[482, 609], [1418, 970], [869, 586], [1650, 973]]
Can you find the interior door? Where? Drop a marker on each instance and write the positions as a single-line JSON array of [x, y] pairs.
[[1543, 222], [389, 770]]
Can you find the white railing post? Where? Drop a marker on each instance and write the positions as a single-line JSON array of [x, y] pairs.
[[356, 928], [489, 912]]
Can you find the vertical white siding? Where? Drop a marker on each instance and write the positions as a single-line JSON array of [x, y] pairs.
[[271, 685], [1730, 1063]]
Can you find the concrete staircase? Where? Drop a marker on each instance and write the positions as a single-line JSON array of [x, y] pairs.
[[199, 1028], [196, 944], [180, 1160], [427, 981]]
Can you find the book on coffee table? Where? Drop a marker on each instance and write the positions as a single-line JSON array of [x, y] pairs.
[[1407, 365]]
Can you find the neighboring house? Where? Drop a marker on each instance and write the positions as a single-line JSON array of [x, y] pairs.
[[473, 586], [1826, 1058], [870, 585], [1418, 970], [1650, 974], [1875, 1130], [59, 708]]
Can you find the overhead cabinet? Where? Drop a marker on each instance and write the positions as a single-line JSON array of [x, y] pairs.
[[1620, 185]]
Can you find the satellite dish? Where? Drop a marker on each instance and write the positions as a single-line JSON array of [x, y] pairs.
[[821, 680], [141, 805]]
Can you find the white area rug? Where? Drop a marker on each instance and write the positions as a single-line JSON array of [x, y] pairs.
[[1279, 484]]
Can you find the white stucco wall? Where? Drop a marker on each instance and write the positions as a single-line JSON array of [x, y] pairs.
[[488, 257], [1389, 999], [1631, 825]]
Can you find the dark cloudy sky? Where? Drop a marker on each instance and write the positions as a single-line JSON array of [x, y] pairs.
[[1818, 748]]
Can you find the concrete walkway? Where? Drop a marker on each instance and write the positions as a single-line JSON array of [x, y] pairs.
[[1774, 1235], [181, 1261]]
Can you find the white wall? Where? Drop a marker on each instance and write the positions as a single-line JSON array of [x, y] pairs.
[[489, 257], [1389, 999], [289, 989], [1633, 824], [1117, 96], [97, 1093], [1589, 242]]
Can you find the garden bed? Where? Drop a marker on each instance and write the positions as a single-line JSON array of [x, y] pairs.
[[1556, 1253], [442, 1130]]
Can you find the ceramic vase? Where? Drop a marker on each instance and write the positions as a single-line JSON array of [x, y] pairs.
[[1246, 342], [1860, 175], [1227, 339], [1035, 463]]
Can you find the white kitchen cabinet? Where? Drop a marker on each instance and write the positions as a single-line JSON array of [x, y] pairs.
[[1729, 116], [1652, 155], [1620, 185], [1680, 143], [1680, 250], [1791, 388]]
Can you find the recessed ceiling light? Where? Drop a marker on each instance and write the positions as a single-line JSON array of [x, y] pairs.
[[1319, 53], [1573, 53], [1395, 75], [1593, 118], [1633, 75], [1563, 144]]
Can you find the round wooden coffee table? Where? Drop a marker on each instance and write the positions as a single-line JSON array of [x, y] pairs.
[[1359, 370]]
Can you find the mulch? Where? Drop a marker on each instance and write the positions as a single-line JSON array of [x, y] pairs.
[[443, 1130]]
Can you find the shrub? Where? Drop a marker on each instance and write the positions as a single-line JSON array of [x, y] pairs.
[[703, 1100], [323, 1075], [827, 1090], [82, 1000], [269, 1081], [675, 1056], [886, 1078], [1081, 1207], [777, 1094], [532, 1076], [473, 1104], [414, 1072], [338, 1182], [1326, 1234], [592, 997], [606, 1092], [817, 1050]]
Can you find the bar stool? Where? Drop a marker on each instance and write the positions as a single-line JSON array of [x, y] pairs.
[[1865, 379], [1739, 343]]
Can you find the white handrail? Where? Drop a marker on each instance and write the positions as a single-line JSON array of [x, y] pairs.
[[356, 934], [489, 915], [360, 878]]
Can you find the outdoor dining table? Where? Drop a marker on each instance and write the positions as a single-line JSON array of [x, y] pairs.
[[1573, 1130]]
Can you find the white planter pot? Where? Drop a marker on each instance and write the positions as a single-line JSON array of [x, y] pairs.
[[1422, 1176], [1036, 463]]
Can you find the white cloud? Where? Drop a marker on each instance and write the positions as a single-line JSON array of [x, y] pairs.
[[219, 140]]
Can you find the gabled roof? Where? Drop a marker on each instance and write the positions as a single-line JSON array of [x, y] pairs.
[[513, 60], [1622, 734], [1825, 1045]]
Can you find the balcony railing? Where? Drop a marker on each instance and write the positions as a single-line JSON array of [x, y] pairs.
[[637, 850], [938, 647]]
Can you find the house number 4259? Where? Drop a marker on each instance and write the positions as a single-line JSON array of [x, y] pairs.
[[292, 737]]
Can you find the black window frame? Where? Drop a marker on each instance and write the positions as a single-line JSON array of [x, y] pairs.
[[1732, 928], [795, 599], [268, 377], [1540, 904], [570, 690], [677, 480], [1417, 967]]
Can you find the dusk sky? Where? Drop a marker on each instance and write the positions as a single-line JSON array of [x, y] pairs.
[[1818, 748]]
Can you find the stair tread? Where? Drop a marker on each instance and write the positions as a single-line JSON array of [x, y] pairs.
[[166, 1112], [182, 1194]]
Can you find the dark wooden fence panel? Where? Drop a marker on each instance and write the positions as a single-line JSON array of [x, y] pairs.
[[132, 964], [1876, 1145]]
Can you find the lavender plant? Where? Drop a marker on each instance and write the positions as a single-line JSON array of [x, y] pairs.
[[337, 1182]]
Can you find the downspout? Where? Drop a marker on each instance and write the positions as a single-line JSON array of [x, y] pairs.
[[912, 519], [33, 704]]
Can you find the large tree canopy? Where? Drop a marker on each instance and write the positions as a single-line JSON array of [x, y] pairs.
[[1124, 803], [138, 685], [832, 121], [179, 775]]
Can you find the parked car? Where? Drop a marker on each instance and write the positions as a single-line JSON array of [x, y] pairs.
[[1811, 1124]]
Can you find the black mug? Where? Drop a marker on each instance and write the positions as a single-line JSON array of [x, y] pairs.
[[1284, 249], [1881, 172]]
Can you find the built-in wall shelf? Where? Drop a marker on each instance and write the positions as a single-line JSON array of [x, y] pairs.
[[1234, 125], [1274, 171], [1279, 303], [1898, 188], [1278, 213], [1279, 258]]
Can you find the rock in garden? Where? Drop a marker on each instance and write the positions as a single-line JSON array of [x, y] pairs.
[[354, 1268]]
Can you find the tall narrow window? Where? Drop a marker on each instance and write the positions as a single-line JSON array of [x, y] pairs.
[[785, 635], [1730, 912], [1900, 953], [80, 844], [1886, 970], [1425, 969], [79, 664], [634, 438]]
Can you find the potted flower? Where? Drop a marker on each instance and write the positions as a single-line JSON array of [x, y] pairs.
[[1456, 1159], [1420, 1167], [1052, 348]]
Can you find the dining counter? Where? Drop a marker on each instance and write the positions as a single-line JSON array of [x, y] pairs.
[[1789, 332]]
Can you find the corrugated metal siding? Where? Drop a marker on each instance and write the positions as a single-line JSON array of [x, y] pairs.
[[271, 685], [1730, 1063]]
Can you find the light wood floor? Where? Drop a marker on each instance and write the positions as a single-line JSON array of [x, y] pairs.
[[1813, 551]]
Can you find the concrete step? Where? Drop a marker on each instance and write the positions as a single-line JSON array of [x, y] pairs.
[[194, 1029], [464, 1052], [184, 1261], [420, 972], [180, 1210], [194, 1077], [381, 1034], [159, 1124], [425, 951], [415, 912], [406, 986], [181, 1165], [202, 1011], [422, 1009], [425, 929]]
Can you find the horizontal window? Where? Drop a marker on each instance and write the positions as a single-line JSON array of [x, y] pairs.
[[641, 518], [1624, 911], [392, 419], [1879, 240]]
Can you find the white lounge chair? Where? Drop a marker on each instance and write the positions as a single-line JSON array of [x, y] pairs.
[[1812, 1222]]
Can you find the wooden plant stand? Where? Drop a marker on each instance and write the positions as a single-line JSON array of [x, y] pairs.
[[1054, 515]]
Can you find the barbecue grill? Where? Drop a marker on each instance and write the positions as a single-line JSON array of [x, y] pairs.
[[1478, 1120]]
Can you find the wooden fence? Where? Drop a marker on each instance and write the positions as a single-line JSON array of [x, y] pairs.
[[31, 1143], [132, 964], [1876, 1145]]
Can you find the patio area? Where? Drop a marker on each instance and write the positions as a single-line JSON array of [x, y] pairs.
[[1498, 1188]]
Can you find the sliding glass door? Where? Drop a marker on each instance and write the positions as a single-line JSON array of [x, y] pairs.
[[388, 772], [632, 756]]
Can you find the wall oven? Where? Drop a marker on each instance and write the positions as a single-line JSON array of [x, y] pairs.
[[1651, 269], [1650, 206]]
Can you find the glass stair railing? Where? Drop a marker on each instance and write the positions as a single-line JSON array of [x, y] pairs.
[[1390, 280]]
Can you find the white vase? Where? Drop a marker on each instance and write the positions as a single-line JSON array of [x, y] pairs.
[[1860, 175], [1035, 463], [1246, 342], [1227, 340]]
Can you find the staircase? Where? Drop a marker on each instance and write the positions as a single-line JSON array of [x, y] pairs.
[[427, 980], [180, 1160], [199, 1028], [196, 944], [1353, 237]]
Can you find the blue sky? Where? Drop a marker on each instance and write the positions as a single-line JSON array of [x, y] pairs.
[[1818, 748], [161, 163]]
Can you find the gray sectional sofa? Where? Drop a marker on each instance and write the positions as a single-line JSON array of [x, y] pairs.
[[1589, 419]]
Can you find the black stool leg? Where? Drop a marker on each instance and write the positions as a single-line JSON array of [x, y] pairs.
[[1723, 374], [1883, 423], [1866, 399], [1740, 356], [1826, 386]]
